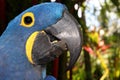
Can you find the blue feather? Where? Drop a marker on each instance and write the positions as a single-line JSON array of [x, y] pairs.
[[50, 78]]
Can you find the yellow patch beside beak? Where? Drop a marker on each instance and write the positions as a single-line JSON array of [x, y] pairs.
[[29, 46]]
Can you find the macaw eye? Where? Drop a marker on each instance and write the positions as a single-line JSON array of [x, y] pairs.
[[27, 19]]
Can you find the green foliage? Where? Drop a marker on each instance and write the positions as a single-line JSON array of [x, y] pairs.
[[114, 59], [93, 38], [78, 70], [104, 18], [110, 6], [116, 3]]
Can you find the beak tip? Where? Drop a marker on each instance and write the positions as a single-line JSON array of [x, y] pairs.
[[74, 57]]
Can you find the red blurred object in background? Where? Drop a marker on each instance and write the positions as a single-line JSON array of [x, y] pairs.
[[2, 10], [55, 67], [34, 2], [2, 15]]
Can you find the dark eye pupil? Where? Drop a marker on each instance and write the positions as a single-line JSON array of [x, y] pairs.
[[28, 20]]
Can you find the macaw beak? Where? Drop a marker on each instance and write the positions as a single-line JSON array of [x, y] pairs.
[[67, 29]]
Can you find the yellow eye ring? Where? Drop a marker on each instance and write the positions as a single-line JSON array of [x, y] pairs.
[[27, 20]]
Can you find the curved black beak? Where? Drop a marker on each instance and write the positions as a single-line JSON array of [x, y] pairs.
[[67, 29]]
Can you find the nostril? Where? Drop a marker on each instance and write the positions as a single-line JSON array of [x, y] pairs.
[[52, 37], [56, 41]]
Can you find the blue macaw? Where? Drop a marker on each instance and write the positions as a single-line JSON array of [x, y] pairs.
[[35, 37]]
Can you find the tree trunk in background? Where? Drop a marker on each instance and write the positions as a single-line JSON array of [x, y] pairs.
[[2, 16], [87, 66], [88, 73], [62, 75]]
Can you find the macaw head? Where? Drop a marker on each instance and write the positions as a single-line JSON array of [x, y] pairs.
[[52, 18]]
